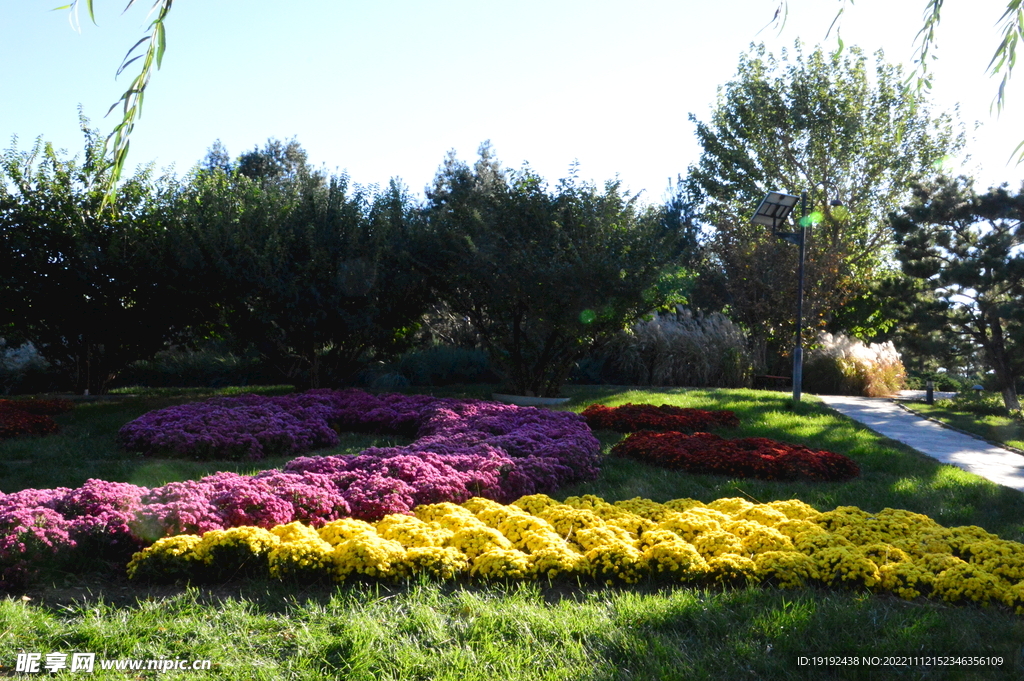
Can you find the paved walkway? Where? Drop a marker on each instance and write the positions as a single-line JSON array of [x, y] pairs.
[[948, 446]]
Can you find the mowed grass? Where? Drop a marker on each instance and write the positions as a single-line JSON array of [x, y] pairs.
[[425, 630], [994, 427]]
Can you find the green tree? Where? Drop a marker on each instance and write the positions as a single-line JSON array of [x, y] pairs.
[[542, 275], [85, 285], [155, 42], [1011, 26], [274, 162], [308, 267], [818, 124], [963, 253]]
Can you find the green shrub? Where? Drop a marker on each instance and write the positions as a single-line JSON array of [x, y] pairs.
[[942, 381], [840, 365], [440, 365], [982, 404], [206, 368]]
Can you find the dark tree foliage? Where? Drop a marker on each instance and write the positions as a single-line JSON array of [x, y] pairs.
[[962, 252], [217, 157], [275, 161], [542, 275], [815, 123], [308, 267], [87, 286]]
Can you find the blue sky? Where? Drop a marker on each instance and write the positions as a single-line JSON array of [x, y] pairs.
[[384, 89]]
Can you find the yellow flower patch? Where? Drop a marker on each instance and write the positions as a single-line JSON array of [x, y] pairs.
[[410, 531], [676, 559], [726, 542], [788, 569], [302, 557], [499, 563]]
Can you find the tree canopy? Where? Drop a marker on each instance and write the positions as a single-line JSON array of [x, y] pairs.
[[543, 275], [312, 266], [963, 254], [87, 287], [814, 123], [155, 42], [1011, 26]]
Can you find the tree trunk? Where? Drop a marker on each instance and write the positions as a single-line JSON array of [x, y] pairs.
[[1000, 363], [1010, 398], [314, 366]]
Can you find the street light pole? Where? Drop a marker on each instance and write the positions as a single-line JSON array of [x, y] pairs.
[[798, 351]]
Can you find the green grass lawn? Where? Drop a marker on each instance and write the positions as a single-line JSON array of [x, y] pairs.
[[994, 427], [426, 630]]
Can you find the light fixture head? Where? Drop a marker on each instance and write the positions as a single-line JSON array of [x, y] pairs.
[[774, 209]]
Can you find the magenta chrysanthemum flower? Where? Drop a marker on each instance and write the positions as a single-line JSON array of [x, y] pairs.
[[464, 448]]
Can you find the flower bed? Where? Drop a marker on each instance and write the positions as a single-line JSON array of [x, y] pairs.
[[466, 448], [629, 418], [752, 457], [729, 541], [30, 417]]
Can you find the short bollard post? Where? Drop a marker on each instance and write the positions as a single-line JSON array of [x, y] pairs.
[[929, 396]]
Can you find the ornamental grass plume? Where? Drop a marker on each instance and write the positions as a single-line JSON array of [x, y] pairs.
[[840, 365], [678, 349]]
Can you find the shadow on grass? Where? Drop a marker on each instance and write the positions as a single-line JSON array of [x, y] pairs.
[[643, 631]]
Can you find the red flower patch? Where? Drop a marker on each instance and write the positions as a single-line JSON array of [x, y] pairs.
[[40, 407], [751, 457], [633, 417], [30, 417]]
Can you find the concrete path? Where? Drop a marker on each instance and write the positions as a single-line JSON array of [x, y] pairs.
[[883, 416]]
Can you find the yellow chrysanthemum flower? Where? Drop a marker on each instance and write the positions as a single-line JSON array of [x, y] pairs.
[[968, 582], [534, 503], [763, 514], [368, 554], [168, 558], [730, 569], [712, 544], [568, 520], [472, 541], [730, 505], [305, 559], [677, 559], [999, 557], [294, 532], [645, 508], [883, 554], [788, 569], [617, 561], [499, 563], [592, 537], [340, 531], [441, 563], [794, 509], [694, 522], [410, 531], [845, 566], [907, 579]]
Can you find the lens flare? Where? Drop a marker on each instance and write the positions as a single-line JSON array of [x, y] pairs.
[[587, 316], [943, 163], [814, 218]]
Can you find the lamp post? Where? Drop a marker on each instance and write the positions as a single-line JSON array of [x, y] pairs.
[[774, 209]]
